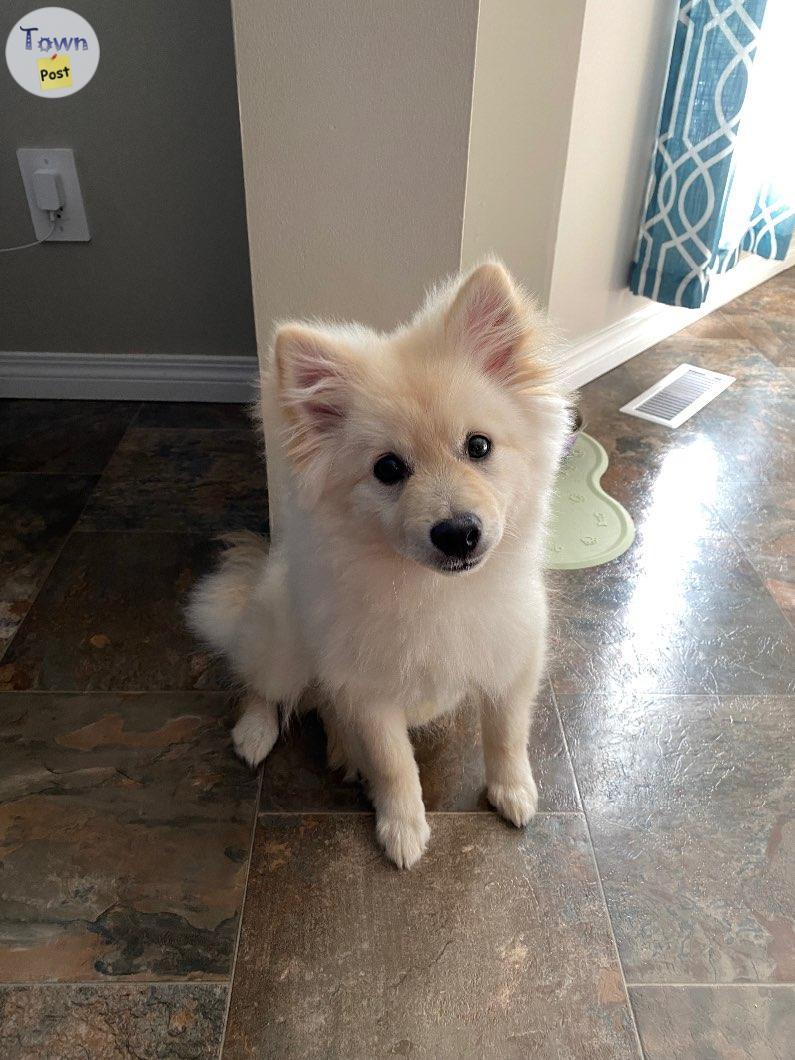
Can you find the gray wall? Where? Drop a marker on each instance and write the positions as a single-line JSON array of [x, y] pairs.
[[157, 142]]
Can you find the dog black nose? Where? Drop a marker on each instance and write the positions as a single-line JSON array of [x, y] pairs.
[[457, 536]]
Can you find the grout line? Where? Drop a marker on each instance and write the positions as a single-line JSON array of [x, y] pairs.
[[8, 472], [133, 417], [124, 692], [232, 691], [242, 428], [240, 923], [46, 577], [599, 880], [559, 721], [134, 421], [130, 422], [590, 694], [712, 986], [752, 564], [64, 984], [205, 535], [429, 813], [211, 534], [67, 538]]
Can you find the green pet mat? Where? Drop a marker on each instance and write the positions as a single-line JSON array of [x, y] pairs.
[[587, 527]]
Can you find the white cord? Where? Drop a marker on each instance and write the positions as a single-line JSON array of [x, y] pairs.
[[37, 242]]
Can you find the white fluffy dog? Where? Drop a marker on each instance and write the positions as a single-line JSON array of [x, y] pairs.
[[407, 577]]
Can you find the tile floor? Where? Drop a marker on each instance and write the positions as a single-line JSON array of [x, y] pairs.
[[157, 900]]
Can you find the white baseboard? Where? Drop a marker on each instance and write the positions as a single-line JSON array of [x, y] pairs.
[[597, 353], [174, 377], [127, 377]]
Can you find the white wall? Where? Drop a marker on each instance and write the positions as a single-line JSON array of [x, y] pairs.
[[525, 75], [623, 63], [355, 124], [355, 121], [365, 180]]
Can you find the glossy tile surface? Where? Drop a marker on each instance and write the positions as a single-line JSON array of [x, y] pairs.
[[697, 603], [496, 944], [672, 615], [125, 827], [36, 514], [125, 820], [690, 801], [743, 436], [61, 437], [765, 316], [741, 449], [192, 480], [110, 617], [183, 1022], [752, 1022], [193, 415], [296, 777]]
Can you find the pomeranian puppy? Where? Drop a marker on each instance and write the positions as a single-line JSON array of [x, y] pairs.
[[407, 576]]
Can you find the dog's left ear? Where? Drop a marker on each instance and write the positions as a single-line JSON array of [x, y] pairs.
[[489, 322]]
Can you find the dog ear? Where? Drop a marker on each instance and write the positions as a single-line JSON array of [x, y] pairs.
[[313, 374], [488, 321], [310, 367]]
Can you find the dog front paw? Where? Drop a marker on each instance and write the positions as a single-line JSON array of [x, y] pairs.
[[256, 733], [516, 802], [404, 839]]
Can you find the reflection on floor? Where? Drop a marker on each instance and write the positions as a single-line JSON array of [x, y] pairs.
[[651, 901]]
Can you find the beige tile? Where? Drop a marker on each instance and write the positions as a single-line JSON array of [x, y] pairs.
[[690, 804], [719, 1023], [495, 944], [296, 777]]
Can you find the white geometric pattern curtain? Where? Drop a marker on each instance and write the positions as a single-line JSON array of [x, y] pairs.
[[722, 174]]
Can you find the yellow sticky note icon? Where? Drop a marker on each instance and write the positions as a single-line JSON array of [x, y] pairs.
[[55, 72]]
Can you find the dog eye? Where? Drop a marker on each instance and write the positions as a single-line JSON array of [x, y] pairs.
[[390, 469], [478, 446]]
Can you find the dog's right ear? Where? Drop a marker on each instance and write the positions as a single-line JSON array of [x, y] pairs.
[[310, 369], [312, 381]]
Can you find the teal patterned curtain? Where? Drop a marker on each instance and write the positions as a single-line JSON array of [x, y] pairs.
[[721, 175]]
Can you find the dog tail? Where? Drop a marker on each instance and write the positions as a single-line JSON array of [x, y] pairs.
[[217, 603]]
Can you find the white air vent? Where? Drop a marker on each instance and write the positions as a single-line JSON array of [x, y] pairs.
[[678, 395]]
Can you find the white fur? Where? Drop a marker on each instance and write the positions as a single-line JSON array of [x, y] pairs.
[[351, 599]]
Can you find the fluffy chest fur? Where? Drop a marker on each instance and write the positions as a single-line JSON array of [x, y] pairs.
[[388, 629]]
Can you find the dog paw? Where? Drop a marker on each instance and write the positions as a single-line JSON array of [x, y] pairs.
[[256, 733], [517, 803], [404, 839]]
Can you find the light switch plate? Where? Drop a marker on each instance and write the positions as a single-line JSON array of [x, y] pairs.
[[72, 224]]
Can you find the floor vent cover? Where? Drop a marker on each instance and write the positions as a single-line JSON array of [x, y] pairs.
[[678, 395]]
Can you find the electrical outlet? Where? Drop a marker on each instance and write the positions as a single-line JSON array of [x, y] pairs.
[[71, 225]]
